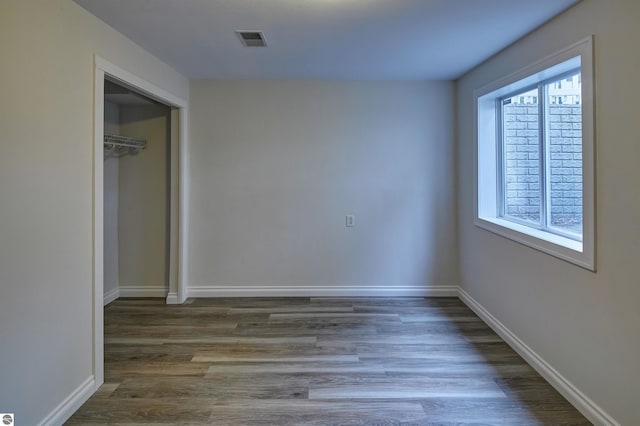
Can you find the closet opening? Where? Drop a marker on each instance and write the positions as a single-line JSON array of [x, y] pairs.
[[140, 194], [137, 194]]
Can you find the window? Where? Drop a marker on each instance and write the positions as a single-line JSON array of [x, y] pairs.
[[535, 156], [541, 157]]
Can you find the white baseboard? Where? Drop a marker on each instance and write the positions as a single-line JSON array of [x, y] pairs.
[[172, 299], [583, 403], [326, 291], [71, 404], [143, 291], [111, 296]]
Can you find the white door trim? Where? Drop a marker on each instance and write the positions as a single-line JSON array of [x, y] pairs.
[[176, 295]]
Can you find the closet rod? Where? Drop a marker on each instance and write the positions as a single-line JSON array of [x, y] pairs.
[[127, 145], [118, 146], [125, 141]]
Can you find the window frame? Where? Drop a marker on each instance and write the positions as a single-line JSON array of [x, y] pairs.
[[488, 185]]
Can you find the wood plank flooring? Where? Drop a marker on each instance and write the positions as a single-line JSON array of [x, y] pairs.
[[313, 361]]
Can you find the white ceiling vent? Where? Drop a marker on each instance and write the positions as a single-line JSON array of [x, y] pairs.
[[252, 38]]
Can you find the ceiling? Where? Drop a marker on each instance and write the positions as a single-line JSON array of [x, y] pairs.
[[325, 39]]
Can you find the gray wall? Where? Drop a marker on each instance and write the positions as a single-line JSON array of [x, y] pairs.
[[584, 324], [276, 166]]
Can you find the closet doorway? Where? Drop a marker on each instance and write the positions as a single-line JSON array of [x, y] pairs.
[[140, 187], [137, 191]]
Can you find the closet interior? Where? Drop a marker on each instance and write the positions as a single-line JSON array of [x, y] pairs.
[[137, 140]]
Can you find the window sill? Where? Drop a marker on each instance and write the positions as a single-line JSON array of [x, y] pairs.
[[555, 245]]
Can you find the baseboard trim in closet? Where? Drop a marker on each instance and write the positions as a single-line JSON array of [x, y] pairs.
[[143, 291], [324, 291], [111, 296]]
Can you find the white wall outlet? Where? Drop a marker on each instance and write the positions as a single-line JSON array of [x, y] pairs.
[[350, 221]]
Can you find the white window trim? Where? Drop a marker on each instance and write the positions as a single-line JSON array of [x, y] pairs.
[[485, 157]]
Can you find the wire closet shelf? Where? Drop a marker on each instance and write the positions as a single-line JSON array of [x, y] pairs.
[[119, 146]]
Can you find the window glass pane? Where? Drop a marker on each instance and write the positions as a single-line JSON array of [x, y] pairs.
[[564, 136], [521, 156]]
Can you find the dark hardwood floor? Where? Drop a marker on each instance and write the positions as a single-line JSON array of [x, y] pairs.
[[314, 361]]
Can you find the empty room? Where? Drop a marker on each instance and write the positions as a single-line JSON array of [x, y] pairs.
[[319, 212]]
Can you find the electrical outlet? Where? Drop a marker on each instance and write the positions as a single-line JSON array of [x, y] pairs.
[[350, 221]]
